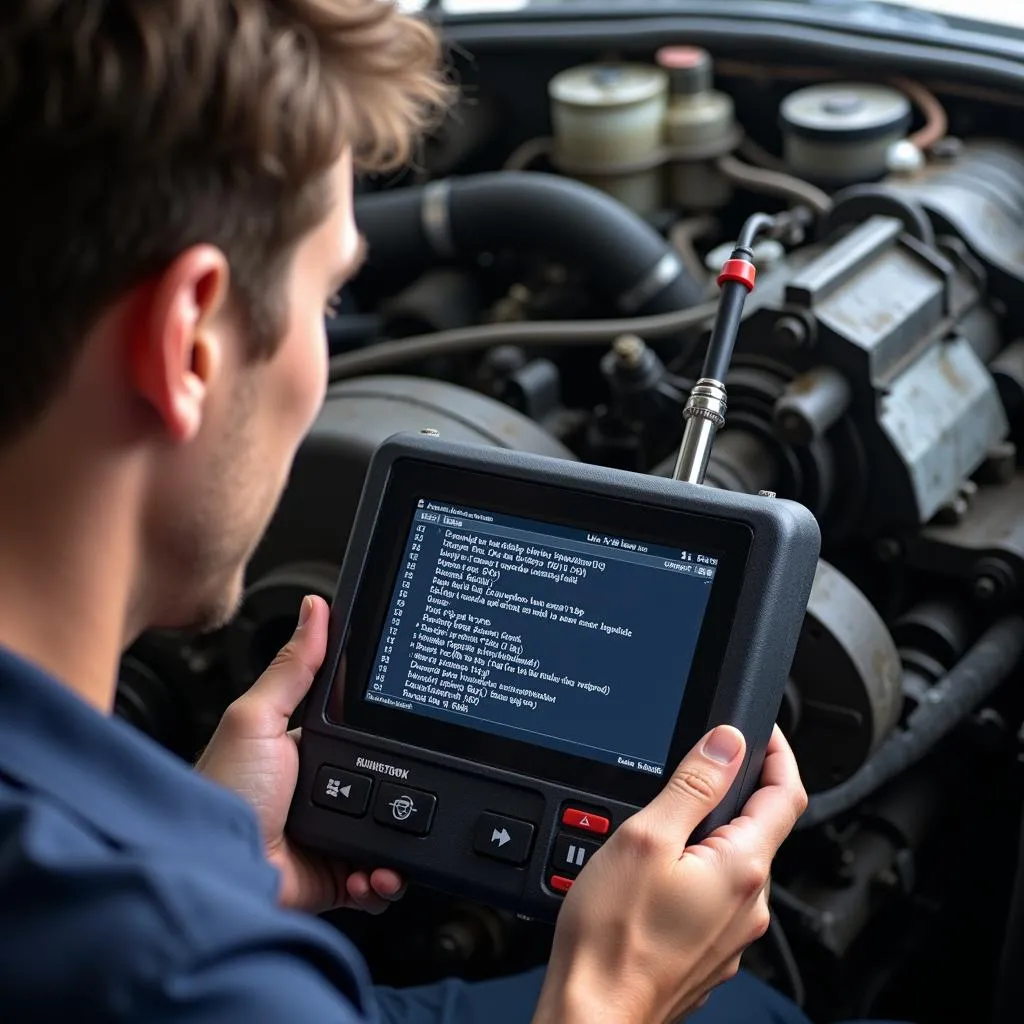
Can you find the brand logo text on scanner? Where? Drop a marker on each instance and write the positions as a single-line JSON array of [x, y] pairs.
[[382, 768]]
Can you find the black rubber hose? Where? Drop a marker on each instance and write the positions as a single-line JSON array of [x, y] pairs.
[[733, 298], [951, 700], [626, 259]]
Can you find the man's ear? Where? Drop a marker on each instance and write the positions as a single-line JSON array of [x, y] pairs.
[[176, 350]]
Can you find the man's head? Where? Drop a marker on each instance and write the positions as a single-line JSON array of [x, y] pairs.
[[176, 191]]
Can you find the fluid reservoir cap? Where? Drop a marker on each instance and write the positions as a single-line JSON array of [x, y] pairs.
[[607, 85], [845, 112], [689, 68]]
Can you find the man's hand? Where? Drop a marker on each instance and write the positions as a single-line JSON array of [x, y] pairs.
[[253, 753], [654, 922]]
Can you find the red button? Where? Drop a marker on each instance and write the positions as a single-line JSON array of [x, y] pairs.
[[559, 883], [588, 822]]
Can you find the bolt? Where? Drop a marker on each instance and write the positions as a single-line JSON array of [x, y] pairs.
[[790, 333], [887, 549], [629, 349], [951, 513], [1000, 464], [947, 150], [904, 158], [794, 428], [993, 579]]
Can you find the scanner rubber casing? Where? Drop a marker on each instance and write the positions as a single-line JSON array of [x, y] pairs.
[[772, 601]]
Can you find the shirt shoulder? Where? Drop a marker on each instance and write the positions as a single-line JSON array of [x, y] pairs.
[[92, 927]]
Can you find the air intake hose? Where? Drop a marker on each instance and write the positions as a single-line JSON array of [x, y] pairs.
[[625, 259]]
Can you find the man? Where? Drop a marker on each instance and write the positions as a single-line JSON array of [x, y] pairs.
[[177, 204]]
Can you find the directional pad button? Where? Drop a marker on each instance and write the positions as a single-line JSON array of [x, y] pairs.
[[503, 838]]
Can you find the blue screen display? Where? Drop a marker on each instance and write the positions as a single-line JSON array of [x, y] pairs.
[[559, 637]]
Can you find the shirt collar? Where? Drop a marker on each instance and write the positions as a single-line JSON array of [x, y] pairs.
[[104, 771]]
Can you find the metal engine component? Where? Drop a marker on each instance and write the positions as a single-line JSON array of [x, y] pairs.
[[608, 123], [839, 133], [867, 868], [846, 695], [978, 197], [888, 314], [635, 428], [303, 547], [982, 544]]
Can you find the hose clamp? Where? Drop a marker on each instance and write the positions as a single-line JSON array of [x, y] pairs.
[[435, 218], [663, 273]]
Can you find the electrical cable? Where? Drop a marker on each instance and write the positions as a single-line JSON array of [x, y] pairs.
[[682, 236], [565, 333], [790, 968], [528, 153], [936, 122], [774, 183], [736, 282]]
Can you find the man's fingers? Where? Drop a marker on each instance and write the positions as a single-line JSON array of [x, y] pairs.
[[284, 684], [775, 807], [388, 884], [701, 781], [362, 894]]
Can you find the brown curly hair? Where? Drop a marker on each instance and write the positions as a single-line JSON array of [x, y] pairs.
[[131, 130]]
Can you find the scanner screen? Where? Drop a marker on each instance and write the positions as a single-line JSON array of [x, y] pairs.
[[570, 639]]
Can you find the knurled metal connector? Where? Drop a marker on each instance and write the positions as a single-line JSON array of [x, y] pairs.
[[708, 401], [704, 416]]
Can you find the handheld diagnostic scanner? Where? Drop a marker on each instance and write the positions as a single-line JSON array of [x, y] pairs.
[[522, 649]]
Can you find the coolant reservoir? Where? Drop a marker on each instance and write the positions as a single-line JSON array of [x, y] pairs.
[[700, 126], [841, 133], [608, 122]]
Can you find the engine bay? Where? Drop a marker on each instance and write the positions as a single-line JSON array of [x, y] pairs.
[[544, 279]]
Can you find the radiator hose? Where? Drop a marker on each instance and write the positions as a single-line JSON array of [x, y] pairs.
[[626, 260]]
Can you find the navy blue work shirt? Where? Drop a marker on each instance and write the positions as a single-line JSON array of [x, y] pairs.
[[133, 889]]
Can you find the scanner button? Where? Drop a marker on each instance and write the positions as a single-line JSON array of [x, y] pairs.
[[338, 790], [572, 854], [507, 839], [574, 818], [559, 883], [408, 810]]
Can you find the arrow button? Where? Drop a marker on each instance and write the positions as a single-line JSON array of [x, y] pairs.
[[338, 790], [503, 838]]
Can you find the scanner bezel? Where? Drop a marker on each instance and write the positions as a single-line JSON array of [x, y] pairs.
[[410, 480]]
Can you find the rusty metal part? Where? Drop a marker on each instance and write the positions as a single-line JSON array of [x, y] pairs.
[[984, 548], [892, 316], [811, 405], [847, 673]]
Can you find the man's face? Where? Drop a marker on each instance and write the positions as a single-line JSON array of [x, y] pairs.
[[222, 488]]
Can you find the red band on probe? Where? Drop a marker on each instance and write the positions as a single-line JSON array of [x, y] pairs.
[[740, 271]]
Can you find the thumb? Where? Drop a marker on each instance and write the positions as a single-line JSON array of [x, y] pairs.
[[281, 688], [701, 781]]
